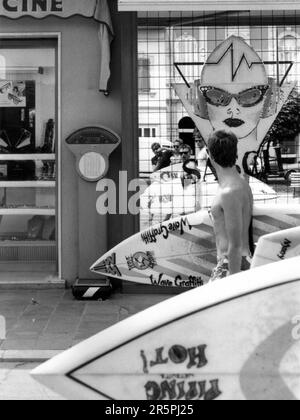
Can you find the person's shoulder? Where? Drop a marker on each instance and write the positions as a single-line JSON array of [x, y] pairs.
[[202, 154], [168, 153], [245, 185], [228, 192], [231, 195]]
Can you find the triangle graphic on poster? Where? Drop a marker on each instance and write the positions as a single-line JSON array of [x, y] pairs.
[[285, 68]]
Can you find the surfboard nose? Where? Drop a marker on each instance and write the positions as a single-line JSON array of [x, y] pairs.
[[107, 265], [47, 376], [98, 267], [92, 268]]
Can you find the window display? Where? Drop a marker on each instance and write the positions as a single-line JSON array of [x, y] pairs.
[[188, 58], [27, 160]]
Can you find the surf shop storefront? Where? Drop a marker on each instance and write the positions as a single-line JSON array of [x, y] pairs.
[[55, 61], [54, 71]]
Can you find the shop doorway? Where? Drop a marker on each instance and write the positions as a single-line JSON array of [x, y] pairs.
[[28, 159], [186, 127]]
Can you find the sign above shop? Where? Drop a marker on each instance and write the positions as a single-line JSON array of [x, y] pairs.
[[42, 8], [203, 5], [96, 9]]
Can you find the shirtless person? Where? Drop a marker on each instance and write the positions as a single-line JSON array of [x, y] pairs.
[[232, 209]]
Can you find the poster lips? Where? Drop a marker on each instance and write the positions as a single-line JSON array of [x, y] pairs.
[[234, 122]]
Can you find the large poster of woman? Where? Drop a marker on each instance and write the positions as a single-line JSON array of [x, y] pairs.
[[235, 93]]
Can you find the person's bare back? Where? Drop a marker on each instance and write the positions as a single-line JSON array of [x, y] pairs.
[[232, 215], [232, 210]]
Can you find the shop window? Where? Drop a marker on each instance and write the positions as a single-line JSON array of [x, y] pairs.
[[28, 158], [188, 38]]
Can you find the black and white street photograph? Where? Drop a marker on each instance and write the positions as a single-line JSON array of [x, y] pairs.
[[149, 203]]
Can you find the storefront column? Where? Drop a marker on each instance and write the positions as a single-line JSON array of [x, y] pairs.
[[92, 230], [130, 135]]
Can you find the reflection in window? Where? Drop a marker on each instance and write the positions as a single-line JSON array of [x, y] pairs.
[[187, 40], [242, 31], [2, 67], [147, 132], [289, 44], [186, 50], [144, 74], [288, 47]]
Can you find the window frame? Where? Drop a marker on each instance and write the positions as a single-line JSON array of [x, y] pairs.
[[57, 36], [205, 5]]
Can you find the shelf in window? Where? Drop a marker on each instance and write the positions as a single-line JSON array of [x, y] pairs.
[[27, 211], [27, 156], [27, 184], [289, 156], [20, 69], [27, 243]]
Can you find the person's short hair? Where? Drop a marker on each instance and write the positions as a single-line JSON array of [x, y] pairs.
[[178, 141], [186, 147], [196, 132], [155, 146], [223, 148]]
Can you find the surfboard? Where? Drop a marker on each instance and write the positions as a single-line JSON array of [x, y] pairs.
[[167, 196], [235, 339], [277, 246], [182, 252]]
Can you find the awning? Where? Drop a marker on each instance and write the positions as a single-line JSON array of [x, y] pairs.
[[95, 9], [106, 36], [206, 5]]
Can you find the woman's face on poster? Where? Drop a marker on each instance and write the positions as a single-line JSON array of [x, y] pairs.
[[235, 107]]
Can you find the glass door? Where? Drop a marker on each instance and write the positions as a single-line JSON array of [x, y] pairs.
[[28, 156]]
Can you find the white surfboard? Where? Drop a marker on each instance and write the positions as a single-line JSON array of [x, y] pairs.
[[235, 339], [167, 196], [277, 246], [182, 252]]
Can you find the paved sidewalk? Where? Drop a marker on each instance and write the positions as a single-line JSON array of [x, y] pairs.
[[52, 320]]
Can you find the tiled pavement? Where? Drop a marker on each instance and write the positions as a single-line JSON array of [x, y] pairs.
[[39, 320]]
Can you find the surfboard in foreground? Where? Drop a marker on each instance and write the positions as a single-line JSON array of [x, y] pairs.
[[182, 252], [235, 339]]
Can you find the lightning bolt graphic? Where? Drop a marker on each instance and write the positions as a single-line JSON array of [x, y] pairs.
[[234, 72]]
